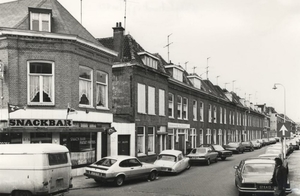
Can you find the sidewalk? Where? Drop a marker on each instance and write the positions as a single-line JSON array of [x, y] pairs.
[[294, 172], [80, 182]]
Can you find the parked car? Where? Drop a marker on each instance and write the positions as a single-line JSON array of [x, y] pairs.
[[120, 168], [256, 144], [272, 140], [248, 146], [172, 161], [253, 176], [295, 144], [222, 153], [203, 154], [235, 147], [262, 142]]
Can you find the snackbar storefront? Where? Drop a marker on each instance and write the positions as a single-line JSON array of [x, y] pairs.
[[86, 141]]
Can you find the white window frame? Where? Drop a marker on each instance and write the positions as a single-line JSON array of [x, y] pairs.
[[142, 152], [209, 113], [41, 84], [141, 98], [171, 105], [208, 136], [215, 114], [151, 100], [40, 19], [162, 102], [185, 106], [179, 107], [178, 74], [201, 111], [91, 87], [195, 117], [153, 144], [103, 84], [221, 115], [201, 132], [225, 117]]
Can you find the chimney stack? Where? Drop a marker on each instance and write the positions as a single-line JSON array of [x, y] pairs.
[[118, 40]]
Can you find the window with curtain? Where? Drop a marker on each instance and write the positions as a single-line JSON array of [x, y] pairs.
[[201, 111], [85, 86], [194, 110], [40, 21], [161, 108], [151, 100], [185, 109], [141, 140], [209, 113], [141, 98], [40, 83], [171, 105], [179, 107], [151, 133], [102, 89]]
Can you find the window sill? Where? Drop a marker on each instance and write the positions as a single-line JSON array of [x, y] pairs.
[[42, 104], [86, 106], [141, 155], [101, 108]]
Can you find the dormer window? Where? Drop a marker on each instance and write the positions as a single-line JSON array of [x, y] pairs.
[[195, 80], [177, 72], [148, 59], [40, 19]]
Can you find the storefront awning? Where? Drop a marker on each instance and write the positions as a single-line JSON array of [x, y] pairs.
[[51, 129]]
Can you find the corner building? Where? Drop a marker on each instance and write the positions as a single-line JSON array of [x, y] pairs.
[[61, 73]]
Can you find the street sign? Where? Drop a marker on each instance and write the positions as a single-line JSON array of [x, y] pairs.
[[283, 130]]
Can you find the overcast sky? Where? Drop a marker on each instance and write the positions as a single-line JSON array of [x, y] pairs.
[[254, 43]]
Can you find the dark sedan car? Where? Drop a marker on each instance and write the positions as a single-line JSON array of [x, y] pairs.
[[248, 146], [236, 147], [222, 153], [254, 176]]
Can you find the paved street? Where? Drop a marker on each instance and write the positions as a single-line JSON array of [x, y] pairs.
[[216, 179]]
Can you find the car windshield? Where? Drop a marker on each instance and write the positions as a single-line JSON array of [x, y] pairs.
[[165, 157], [198, 150], [232, 144], [106, 162], [258, 168], [217, 147]]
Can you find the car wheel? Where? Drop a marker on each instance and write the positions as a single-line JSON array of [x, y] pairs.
[[119, 181], [188, 166], [208, 162], [152, 176], [223, 158]]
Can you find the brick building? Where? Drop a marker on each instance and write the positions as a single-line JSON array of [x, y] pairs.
[[53, 65]]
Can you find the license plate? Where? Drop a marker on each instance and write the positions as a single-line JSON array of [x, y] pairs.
[[265, 187], [95, 173]]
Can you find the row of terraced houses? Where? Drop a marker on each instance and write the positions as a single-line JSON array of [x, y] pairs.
[[108, 96]]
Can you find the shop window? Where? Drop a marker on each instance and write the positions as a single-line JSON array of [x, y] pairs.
[[85, 86], [40, 83], [10, 138], [41, 137], [82, 147], [101, 89]]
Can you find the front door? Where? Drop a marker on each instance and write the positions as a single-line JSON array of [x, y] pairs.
[[104, 144], [181, 142], [123, 144]]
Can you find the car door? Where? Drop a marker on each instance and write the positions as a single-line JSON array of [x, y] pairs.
[[137, 169], [179, 163]]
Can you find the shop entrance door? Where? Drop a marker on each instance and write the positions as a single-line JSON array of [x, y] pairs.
[[123, 144], [104, 144]]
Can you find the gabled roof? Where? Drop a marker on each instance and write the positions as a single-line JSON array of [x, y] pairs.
[[15, 15], [131, 48]]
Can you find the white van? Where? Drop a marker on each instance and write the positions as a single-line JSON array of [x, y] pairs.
[[34, 169]]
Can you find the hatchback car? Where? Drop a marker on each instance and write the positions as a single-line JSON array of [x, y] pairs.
[[172, 161], [254, 175], [203, 154], [117, 169]]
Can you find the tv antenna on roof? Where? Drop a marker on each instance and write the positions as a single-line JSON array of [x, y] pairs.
[[125, 15], [168, 45]]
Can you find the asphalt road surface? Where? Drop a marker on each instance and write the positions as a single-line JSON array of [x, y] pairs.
[[216, 179]]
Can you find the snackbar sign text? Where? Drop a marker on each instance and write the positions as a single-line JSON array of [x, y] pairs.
[[40, 123]]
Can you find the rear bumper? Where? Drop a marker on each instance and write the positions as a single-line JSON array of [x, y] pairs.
[[254, 190]]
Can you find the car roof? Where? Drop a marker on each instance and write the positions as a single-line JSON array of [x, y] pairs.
[[32, 148], [259, 160], [119, 157], [172, 152]]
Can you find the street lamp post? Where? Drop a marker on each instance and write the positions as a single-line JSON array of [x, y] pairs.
[[245, 123], [284, 109]]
